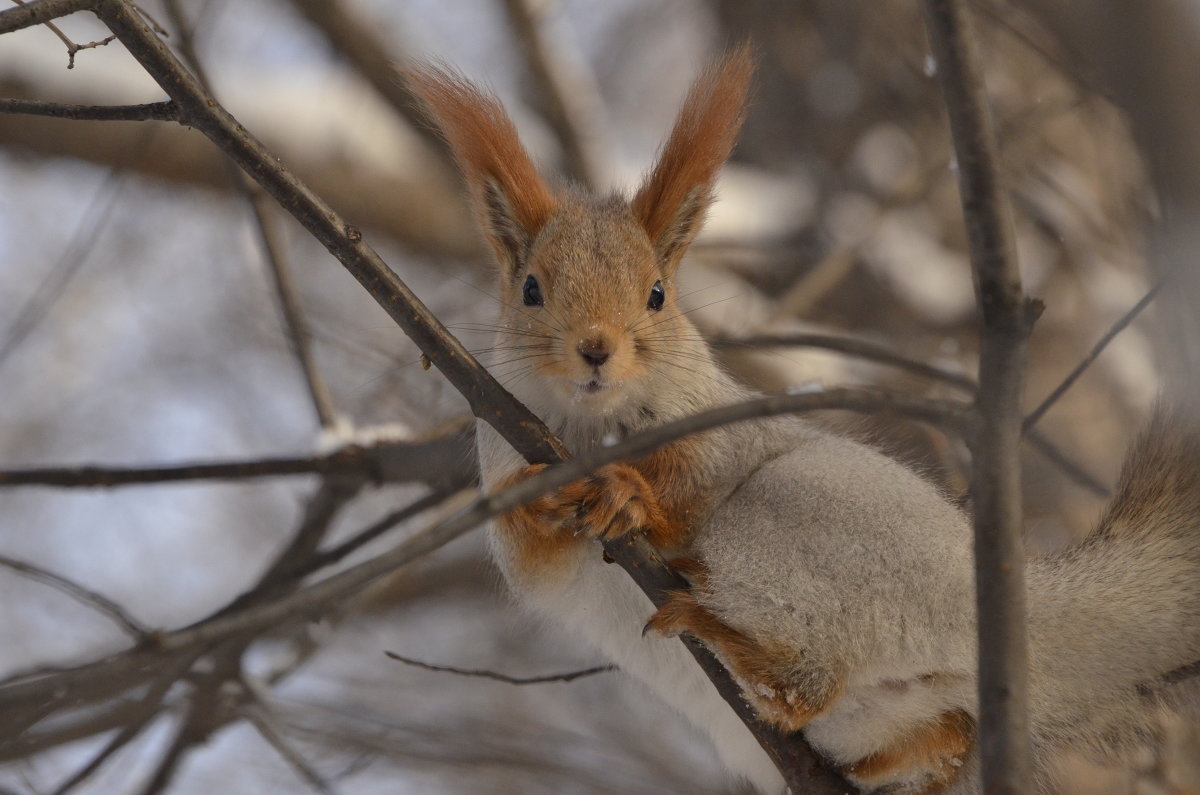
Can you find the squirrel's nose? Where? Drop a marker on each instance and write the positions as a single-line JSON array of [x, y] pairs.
[[594, 351]]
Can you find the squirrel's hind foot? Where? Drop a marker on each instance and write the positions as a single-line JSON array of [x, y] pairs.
[[778, 702], [925, 760]]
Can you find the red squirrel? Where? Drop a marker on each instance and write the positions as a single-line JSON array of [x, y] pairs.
[[836, 584]]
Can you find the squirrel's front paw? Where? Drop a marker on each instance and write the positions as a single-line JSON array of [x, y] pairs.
[[608, 503]]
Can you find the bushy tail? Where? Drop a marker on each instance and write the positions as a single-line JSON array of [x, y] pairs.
[[1111, 615]]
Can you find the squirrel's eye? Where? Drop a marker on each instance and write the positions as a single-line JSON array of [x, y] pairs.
[[657, 296], [532, 292]]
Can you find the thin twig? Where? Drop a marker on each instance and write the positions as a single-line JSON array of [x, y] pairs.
[[299, 338], [81, 243], [574, 107], [1120, 325], [1071, 468], [85, 596], [373, 531], [570, 676], [153, 111], [853, 347], [72, 47], [260, 717], [885, 355], [1005, 320], [149, 707], [323, 507], [39, 12]]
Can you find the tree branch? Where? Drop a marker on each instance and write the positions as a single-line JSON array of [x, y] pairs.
[[1005, 319], [261, 718], [430, 460], [154, 111], [852, 347], [1120, 325], [85, 596], [498, 677], [39, 13], [884, 355]]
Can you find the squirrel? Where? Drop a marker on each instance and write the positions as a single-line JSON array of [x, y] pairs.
[[835, 583]]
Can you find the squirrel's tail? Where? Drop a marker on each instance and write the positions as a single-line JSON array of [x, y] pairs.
[[1111, 615]]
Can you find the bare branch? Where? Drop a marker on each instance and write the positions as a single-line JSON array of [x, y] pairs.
[[853, 347], [884, 355], [322, 508], [154, 111], [51, 287], [1072, 469], [498, 677], [429, 460], [85, 596], [1005, 319], [365, 536], [1122, 323], [260, 717], [39, 13], [574, 107], [149, 705], [72, 47]]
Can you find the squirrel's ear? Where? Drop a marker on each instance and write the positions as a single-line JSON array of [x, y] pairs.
[[672, 202], [510, 200]]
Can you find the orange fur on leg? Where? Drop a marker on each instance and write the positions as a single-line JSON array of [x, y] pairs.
[[672, 474], [932, 755], [776, 702]]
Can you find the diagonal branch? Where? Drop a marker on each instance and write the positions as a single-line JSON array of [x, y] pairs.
[[1122, 323], [1005, 320], [487, 398]]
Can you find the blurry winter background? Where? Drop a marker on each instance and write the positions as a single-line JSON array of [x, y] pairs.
[[140, 325]]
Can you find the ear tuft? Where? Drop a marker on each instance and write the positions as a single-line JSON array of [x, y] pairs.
[[510, 199], [673, 200]]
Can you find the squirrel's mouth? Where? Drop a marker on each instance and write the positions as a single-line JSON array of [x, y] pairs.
[[592, 387]]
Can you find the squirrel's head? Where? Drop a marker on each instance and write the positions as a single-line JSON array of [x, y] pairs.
[[587, 283]]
